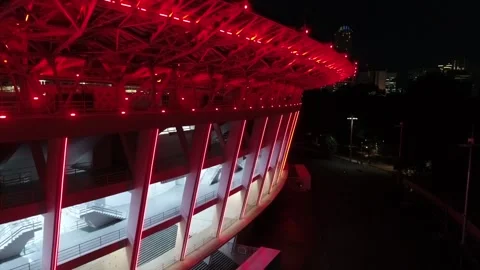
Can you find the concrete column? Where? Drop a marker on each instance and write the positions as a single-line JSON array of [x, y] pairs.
[[144, 160], [182, 139], [289, 143], [271, 139], [231, 150], [254, 146], [201, 138], [39, 160], [277, 149], [55, 176]]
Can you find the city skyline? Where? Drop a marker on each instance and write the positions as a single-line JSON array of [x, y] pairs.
[[393, 35]]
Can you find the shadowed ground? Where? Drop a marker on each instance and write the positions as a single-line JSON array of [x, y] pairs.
[[354, 218]]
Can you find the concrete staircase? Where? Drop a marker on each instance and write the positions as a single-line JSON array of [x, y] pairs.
[[157, 244], [98, 216], [218, 261], [13, 239]]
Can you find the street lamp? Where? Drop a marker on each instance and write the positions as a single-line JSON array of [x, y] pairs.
[[351, 118], [470, 144]]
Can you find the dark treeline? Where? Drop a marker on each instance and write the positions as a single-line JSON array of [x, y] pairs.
[[438, 113]]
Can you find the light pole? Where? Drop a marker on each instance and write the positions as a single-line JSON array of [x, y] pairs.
[[351, 118], [470, 144]]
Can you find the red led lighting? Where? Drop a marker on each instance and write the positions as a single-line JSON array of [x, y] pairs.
[[245, 6], [234, 108], [3, 116], [73, 114], [183, 98], [193, 110], [216, 109], [250, 107], [123, 112], [262, 107], [126, 98], [78, 75], [163, 111], [35, 98]]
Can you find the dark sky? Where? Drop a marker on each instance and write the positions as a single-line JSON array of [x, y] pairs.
[[396, 35]]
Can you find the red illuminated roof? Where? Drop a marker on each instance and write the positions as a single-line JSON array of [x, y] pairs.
[[131, 41]]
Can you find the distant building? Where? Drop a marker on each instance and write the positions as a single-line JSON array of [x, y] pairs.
[[343, 39], [391, 83], [377, 78], [455, 65]]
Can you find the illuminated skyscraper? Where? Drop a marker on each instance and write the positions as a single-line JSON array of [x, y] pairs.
[[343, 39]]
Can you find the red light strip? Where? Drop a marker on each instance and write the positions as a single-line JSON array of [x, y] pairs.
[[257, 151], [289, 141], [282, 147], [252, 39], [195, 193], [230, 176], [272, 147], [143, 207], [58, 214]]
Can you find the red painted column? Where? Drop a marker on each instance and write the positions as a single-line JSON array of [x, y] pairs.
[[232, 148], [286, 138], [55, 176], [201, 138], [271, 138], [278, 148], [254, 146], [144, 160], [287, 149]]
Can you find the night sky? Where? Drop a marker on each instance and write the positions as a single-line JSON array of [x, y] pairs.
[[396, 35]]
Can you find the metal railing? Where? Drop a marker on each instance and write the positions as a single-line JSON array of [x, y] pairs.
[[35, 265], [87, 246], [205, 198], [103, 210], [10, 233], [156, 219]]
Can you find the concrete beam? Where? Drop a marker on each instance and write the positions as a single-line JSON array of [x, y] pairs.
[[55, 178], [254, 146], [232, 148], [289, 143], [286, 138], [183, 140], [39, 160], [142, 175], [278, 148], [201, 139], [218, 132], [271, 139]]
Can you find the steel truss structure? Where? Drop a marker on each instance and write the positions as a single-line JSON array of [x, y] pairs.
[[191, 53], [121, 66]]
